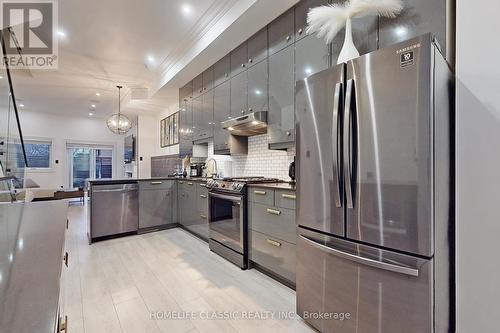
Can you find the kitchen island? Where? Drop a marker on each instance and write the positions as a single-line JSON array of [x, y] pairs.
[[32, 242]]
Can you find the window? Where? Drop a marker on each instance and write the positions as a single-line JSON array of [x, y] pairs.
[[38, 153]]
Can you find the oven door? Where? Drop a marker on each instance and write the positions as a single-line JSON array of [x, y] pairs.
[[226, 220]]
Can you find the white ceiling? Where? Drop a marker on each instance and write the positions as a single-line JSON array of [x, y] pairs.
[[108, 42]]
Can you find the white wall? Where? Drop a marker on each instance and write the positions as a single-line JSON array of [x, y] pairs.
[[62, 129], [146, 143], [478, 166]]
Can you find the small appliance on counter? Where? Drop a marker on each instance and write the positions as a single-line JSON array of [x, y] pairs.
[[196, 170]]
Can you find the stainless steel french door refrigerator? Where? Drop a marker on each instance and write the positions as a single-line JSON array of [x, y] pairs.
[[373, 185]]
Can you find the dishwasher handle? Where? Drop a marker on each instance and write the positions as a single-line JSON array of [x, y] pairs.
[[115, 190]]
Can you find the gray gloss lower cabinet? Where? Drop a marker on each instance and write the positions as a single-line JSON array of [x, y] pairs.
[[281, 117], [156, 203], [192, 216], [273, 232]]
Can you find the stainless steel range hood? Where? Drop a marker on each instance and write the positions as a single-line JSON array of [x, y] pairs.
[[248, 125]]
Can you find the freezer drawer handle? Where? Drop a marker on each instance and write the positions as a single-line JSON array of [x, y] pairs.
[[273, 211], [190, 183], [260, 192], [203, 185], [361, 260], [289, 196], [203, 216], [273, 242], [203, 196], [156, 183]]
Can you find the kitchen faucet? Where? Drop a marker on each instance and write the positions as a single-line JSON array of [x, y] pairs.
[[208, 169]]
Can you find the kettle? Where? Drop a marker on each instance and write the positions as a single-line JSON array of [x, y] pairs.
[[291, 171]]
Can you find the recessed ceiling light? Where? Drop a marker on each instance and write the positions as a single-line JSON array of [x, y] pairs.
[[21, 105], [255, 122], [151, 59], [98, 94], [308, 70], [186, 9], [61, 34], [1, 77], [92, 106], [258, 92], [91, 114]]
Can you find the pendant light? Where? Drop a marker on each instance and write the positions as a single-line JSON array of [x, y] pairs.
[[118, 123]]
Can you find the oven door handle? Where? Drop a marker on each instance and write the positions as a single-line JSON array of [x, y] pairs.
[[237, 198]]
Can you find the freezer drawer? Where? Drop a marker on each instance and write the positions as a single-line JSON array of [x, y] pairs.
[[372, 290]]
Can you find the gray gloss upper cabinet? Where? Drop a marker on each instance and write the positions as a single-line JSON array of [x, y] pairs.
[[257, 87], [185, 93], [239, 59], [311, 56], [198, 85], [239, 85], [197, 108], [281, 99], [186, 128], [301, 10], [257, 47], [417, 18], [207, 115], [281, 32], [208, 79], [222, 70], [222, 112]]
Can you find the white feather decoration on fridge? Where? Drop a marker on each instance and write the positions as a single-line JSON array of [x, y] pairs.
[[328, 20]]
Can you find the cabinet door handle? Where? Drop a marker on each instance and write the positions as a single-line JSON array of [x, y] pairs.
[[289, 196], [181, 182], [203, 185], [67, 224], [156, 183], [260, 192], [273, 211], [300, 31], [203, 196], [190, 183], [203, 216], [273, 242], [66, 259], [63, 326], [287, 38]]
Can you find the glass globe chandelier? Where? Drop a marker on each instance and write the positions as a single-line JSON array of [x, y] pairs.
[[118, 123]]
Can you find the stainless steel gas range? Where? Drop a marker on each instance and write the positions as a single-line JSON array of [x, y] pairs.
[[227, 217]]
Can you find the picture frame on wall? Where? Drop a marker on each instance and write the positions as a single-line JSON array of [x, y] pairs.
[[169, 133]]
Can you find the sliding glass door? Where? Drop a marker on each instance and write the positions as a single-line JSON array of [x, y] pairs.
[[89, 163]]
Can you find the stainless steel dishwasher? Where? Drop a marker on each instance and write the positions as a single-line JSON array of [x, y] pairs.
[[114, 210]]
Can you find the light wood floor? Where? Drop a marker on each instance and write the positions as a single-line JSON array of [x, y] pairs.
[[114, 286]]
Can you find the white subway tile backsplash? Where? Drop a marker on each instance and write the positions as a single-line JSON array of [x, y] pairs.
[[260, 161]]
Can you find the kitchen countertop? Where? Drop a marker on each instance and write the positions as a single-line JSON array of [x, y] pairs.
[[135, 180], [277, 186], [31, 245]]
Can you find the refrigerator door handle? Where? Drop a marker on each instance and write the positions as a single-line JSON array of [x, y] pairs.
[[348, 136], [362, 260], [337, 105]]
